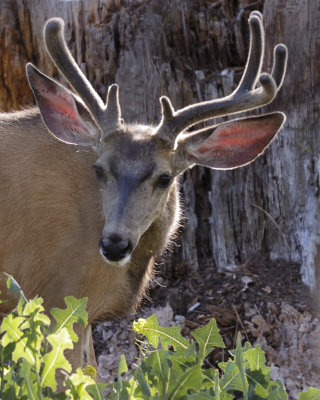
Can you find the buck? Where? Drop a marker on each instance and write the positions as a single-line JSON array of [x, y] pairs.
[[88, 201]]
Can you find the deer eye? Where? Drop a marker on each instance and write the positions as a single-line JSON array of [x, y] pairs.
[[99, 172], [164, 180]]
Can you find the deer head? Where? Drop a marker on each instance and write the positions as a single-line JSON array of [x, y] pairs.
[[137, 165]]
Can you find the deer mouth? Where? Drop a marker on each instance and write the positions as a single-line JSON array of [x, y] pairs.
[[120, 263]]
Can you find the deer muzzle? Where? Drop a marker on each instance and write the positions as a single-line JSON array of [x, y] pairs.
[[115, 249]]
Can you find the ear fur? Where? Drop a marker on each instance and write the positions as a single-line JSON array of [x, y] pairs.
[[64, 115], [231, 144]]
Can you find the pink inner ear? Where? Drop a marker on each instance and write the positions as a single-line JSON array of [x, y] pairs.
[[62, 118], [59, 110], [237, 142]]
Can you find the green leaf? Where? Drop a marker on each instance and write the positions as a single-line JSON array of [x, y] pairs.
[[223, 365], [160, 364], [30, 388], [157, 372], [217, 390], [15, 288], [231, 379], [179, 385], [168, 336], [144, 387], [247, 346], [10, 388], [96, 390], [203, 395], [123, 367], [75, 312], [257, 359], [258, 384], [226, 396], [259, 374], [311, 394], [277, 391], [12, 334], [120, 390], [36, 322], [240, 363], [26, 332], [6, 353], [208, 337], [55, 358], [78, 383], [208, 395]]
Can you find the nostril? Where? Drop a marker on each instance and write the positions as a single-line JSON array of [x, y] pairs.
[[128, 247], [115, 248]]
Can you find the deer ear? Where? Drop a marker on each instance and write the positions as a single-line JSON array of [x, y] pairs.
[[231, 144], [64, 115]]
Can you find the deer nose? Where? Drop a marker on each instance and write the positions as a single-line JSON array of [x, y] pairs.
[[115, 248]]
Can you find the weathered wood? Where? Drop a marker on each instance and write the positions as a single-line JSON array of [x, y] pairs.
[[193, 51], [294, 196]]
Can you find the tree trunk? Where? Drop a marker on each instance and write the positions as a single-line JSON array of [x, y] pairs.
[[192, 51], [296, 155]]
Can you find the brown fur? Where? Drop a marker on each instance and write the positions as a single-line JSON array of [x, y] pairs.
[[51, 222]]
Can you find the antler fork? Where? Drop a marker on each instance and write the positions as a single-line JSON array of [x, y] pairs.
[[56, 45], [245, 97]]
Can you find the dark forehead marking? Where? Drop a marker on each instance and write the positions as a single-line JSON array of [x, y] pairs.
[[134, 159], [135, 175]]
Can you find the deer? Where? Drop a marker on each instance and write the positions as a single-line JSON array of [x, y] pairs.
[[88, 202]]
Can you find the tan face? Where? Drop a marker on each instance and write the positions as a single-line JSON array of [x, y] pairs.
[[135, 177], [133, 166]]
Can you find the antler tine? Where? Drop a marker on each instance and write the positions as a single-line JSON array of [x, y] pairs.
[[113, 110], [60, 54], [280, 59], [245, 97], [255, 57]]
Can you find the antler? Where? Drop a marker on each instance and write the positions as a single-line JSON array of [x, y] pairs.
[[244, 97], [56, 45]]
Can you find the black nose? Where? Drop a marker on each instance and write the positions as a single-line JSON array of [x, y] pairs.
[[114, 247]]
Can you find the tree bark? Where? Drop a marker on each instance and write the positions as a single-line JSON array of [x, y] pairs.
[[296, 155], [193, 51]]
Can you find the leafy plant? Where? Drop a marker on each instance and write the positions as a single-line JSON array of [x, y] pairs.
[[175, 370], [31, 352], [169, 368]]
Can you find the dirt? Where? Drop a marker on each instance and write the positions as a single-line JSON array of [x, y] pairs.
[[267, 302]]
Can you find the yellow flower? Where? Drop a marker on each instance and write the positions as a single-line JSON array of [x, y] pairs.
[[138, 326]]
